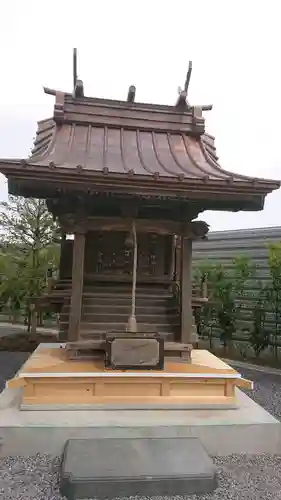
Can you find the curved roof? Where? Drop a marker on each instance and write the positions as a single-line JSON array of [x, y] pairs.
[[122, 151], [68, 142], [135, 145]]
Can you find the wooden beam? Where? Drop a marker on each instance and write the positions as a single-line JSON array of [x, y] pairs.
[[77, 286], [244, 383], [206, 107], [70, 223], [49, 91]]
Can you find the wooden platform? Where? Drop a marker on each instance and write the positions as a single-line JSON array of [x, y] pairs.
[[49, 378]]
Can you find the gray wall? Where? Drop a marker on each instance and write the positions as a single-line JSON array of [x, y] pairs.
[[224, 246]]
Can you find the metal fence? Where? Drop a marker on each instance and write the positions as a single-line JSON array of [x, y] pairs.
[[224, 246]]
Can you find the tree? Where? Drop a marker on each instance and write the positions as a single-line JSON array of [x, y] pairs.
[[29, 246], [205, 317], [12, 283], [274, 290], [258, 334], [226, 289]]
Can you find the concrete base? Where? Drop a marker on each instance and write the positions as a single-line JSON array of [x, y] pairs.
[[127, 406], [110, 468], [247, 429]]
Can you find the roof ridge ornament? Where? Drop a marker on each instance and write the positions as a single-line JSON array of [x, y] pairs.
[[182, 102], [78, 86], [131, 93], [182, 99]]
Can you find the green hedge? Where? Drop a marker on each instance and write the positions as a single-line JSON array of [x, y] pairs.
[[242, 306]]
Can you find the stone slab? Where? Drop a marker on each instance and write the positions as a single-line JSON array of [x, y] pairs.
[[247, 429], [129, 406], [134, 353], [110, 468]]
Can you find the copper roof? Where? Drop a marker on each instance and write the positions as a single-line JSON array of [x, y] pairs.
[[123, 151], [102, 136], [106, 142]]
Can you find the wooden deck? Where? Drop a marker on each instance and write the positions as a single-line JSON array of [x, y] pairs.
[[49, 378]]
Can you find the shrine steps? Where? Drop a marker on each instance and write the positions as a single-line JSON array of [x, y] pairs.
[[106, 308], [127, 288], [122, 307], [91, 334], [123, 299], [102, 316], [93, 330]]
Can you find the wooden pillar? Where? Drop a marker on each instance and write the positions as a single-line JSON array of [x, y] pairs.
[[178, 258], [77, 286], [33, 320], [186, 290], [62, 255], [172, 262]]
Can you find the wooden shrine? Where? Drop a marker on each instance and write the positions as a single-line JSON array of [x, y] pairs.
[[127, 180]]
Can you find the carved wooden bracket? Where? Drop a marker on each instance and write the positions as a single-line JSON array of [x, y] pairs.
[[195, 230]]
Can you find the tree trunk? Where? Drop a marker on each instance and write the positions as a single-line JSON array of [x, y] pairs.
[[28, 320]]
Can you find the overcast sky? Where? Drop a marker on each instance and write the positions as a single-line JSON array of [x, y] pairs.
[[234, 46]]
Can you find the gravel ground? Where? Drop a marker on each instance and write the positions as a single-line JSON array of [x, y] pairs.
[[241, 477]]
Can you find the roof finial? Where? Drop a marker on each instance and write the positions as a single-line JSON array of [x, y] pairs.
[[182, 99], [182, 102], [131, 93], [74, 67], [78, 87], [188, 76]]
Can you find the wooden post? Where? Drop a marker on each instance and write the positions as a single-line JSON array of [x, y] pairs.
[[33, 321], [178, 252], [77, 287], [186, 290], [132, 322], [172, 262]]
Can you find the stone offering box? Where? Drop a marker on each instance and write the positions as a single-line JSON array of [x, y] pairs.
[[133, 351]]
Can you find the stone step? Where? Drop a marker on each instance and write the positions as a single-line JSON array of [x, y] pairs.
[[119, 299], [91, 334], [122, 293], [63, 284], [123, 308], [90, 299], [113, 288], [126, 290], [130, 467], [111, 326], [106, 316]]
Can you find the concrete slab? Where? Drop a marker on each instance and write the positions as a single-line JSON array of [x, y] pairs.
[[130, 406], [110, 468], [247, 429]]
